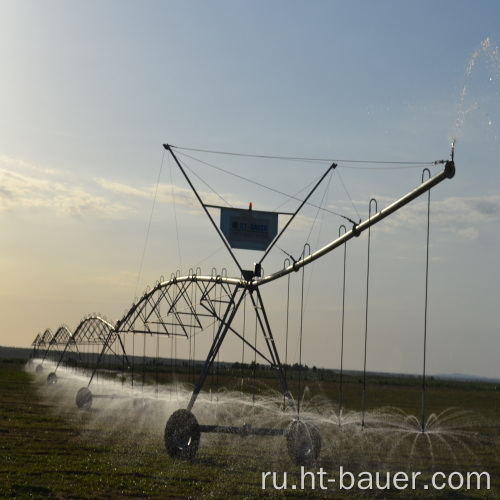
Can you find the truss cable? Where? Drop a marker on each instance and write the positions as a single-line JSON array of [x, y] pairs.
[[348, 195], [211, 255], [194, 336], [255, 357], [366, 311], [323, 201], [157, 363], [206, 184], [287, 326], [149, 225], [320, 207], [143, 362], [426, 296], [133, 358], [171, 364], [190, 339], [176, 377], [213, 342], [294, 196], [290, 197], [123, 370], [218, 352], [175, 213], [158, 350], [243, 340], [413, 164], [342, 329], [300, 338]]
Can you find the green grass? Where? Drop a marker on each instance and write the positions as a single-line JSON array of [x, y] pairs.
[[50, 449]]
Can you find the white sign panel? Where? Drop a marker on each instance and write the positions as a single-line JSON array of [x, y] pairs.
[[248, 229]]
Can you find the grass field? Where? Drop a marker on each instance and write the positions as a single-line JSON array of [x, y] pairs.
[[50, 449]]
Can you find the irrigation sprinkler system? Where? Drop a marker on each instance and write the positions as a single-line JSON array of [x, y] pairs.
[[195, 303]]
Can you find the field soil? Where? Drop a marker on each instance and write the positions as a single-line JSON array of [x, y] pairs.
[[51, 449]]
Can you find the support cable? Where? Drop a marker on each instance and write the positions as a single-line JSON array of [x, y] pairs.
[[218, 231], [218, 350], [251, 181], [172, 364], [213, 343], [175, 214], [301, 331], [143, 362], [287, 327], [323, 202], [194, 336], [426, 296], [255, 358], [206, 184], [133, 357], [332, 167], [413, 164], [149, 225], [157, 375], [342, 330], [243, 342], [366, 312], [348, 195]]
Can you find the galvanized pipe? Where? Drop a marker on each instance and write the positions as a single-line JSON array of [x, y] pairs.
[[244, 430], [447, 173]]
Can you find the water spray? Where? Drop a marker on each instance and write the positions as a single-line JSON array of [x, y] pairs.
[[169, 309]]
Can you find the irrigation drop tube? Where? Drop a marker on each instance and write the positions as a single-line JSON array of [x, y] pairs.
[[195, 302], [182, 431]]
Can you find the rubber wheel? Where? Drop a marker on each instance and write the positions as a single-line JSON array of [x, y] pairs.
[[182, 435], [52, 378], [39, 369], [84, 399], [303, 441]]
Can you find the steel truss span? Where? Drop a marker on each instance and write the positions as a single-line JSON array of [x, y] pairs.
[[93, 330], [179, 306], [187, 305]]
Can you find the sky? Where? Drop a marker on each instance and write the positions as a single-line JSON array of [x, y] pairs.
[[93, 210]]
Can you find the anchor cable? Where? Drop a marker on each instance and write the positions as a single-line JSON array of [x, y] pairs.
[[149, 225], [300, 339], [425, 301], [342, 333], [175, 215], [348, 195], [286, 333], [290, 197], [206, 183], [366, 314], [404, 164]]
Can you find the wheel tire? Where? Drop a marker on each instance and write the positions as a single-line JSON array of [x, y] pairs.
[[182, 435], [303, 441], [84, 399], [39, 369], [52, 379]]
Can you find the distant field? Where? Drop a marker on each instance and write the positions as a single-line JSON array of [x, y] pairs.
[[50, 449]]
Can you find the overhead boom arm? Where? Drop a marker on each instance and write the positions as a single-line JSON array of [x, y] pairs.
[[447, 173]]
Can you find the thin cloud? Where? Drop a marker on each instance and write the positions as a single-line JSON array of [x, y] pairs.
[[27, 186], [20, 190], [166, 193], [14, 162], [464, 217]]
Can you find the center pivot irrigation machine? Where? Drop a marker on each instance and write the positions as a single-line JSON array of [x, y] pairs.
[[194, 302]]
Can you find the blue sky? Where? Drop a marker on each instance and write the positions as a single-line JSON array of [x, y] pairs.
[[91, 90]]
